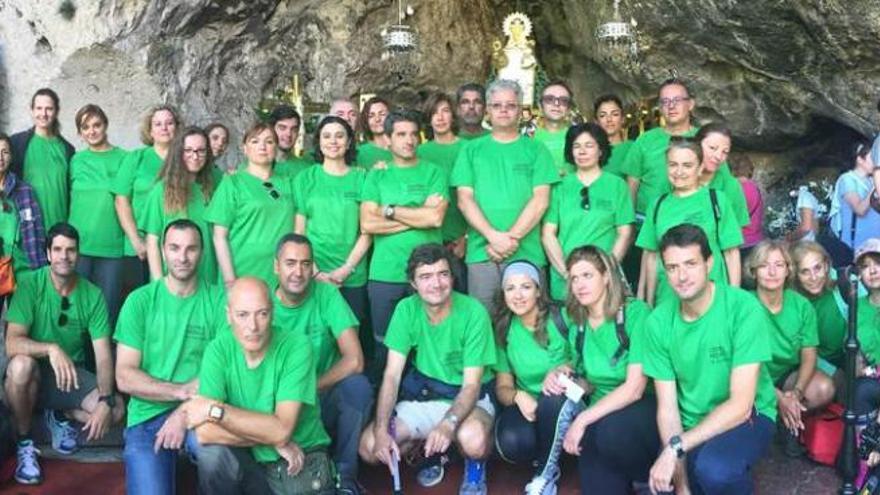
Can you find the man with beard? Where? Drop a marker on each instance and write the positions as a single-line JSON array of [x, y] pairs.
[[705, 350], [287, 122], [163, 330], [471, 100], [51, 312], [556, 103], [316, 311]]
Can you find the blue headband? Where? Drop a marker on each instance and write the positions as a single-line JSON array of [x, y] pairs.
[[521, 268]]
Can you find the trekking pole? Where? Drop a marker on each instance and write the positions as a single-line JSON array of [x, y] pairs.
[[395, 461], [850, 454]]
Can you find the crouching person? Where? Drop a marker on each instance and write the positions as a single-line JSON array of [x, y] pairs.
[[452, 338], [256, 417]]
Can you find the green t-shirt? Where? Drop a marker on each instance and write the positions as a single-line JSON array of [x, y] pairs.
[[724, 181], [37, 305], [503, 177], [555, 143], [136, 176], [600, 345], [470, 137], [45, 169], [286, 373], [156, 218], [331, 206], [619, 151], [462, 340], [696, 209], [368, 154], [402, 186], [444, 156], [92, 206], [171, 333], [792, 329], [292, 166], [322, 316], [868, 331], [646, 161], [528, 360], [832, 326], [610, 207], [700, 355], [255, 219]]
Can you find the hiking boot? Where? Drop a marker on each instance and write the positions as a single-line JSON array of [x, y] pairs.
[[474, 480], [27, 468], [544, 483], [65, 438], [431, 471]]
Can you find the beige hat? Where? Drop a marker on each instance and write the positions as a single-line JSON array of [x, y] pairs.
[[871, 245]]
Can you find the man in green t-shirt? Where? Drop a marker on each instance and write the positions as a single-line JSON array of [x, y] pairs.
[[443, 400], [286, 122], [256, 413], [51, 313], [471, 109], [162, 332], [402, 206], [556, 103], [344, 109], [318, 311], [503, 183], [716, 405]]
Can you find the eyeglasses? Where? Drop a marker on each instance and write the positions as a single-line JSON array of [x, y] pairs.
[[197, 152], [65, 305], [585, 198], [562, 101], [510, 107], [272, 191], [673, 102]]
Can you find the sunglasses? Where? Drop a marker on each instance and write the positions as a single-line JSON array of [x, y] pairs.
[[65, 305], [272, 191], [585, 198]]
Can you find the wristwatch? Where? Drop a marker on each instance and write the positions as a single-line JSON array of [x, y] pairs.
[[452, 418], [676, 445], [109, 399], [215, 413], [388, 212]]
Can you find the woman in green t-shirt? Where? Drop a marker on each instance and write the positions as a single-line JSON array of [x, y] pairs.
[[800, 387], [616, 436], [589, 206], [185, 187], [328, 202], [813, 280], [136, 177], [608, 113], [372, 124], [715, 140], [92, 209], [529, 345], [689, 202]]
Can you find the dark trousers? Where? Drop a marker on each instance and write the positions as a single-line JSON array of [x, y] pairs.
[[867, 398], [520, 441], [345, 408], [722, 466], [357, 300], [620, 449], [106, 273], [459, 274], [384, 297], [227, 470]]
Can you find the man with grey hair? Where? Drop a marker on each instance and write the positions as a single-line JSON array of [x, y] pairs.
[[345, 109], [471, 101], [503, 184]]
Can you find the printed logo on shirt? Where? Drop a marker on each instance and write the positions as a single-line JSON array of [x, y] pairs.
[[524, 168], [452, 359], [351, 195], [416, 189], [603, 204], [718, 354], [696, 218], [199, 332]]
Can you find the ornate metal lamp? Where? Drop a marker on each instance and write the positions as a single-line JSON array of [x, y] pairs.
[[401, 45], [617, 41]]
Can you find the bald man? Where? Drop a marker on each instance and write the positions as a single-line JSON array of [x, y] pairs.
[[256, 416], [162, 331]]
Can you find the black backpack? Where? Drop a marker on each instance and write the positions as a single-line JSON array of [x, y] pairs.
[[716, 211], [619, 327]]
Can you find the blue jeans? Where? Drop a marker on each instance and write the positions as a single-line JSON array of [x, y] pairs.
[[345, 409], [722, 466], [148, 472]]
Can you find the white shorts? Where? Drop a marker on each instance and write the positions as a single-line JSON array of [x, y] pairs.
[[421, 417]]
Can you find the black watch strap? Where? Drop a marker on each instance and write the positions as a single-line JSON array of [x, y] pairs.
[[109, 399], [677, 446]]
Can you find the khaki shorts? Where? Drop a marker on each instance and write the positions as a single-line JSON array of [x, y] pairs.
[[422, 417]]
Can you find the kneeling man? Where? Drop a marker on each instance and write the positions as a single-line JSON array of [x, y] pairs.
[[256, 417], [443, 400]]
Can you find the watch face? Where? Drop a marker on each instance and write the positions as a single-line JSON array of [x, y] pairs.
[[216, 412]]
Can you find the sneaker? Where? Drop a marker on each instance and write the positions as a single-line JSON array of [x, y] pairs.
[[348, 488], [64, 436], [792, 446], [431, 471], [27, 468], [544, 483], [474, 480]]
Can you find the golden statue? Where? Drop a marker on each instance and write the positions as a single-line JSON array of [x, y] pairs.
[[516, 60]]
